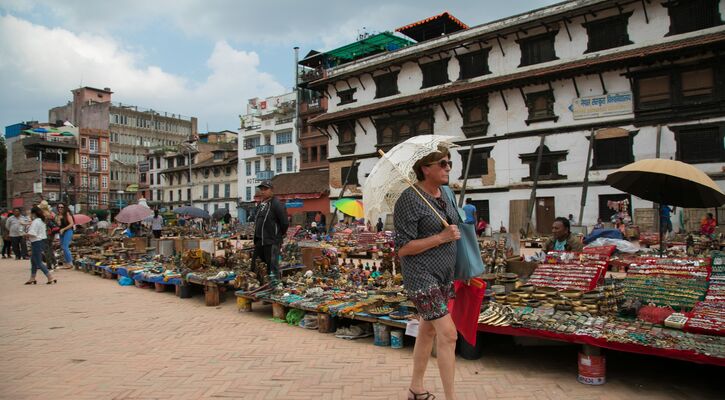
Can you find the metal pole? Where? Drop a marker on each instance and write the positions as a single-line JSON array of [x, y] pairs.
[[40, 158], [60, 194], [342, 193], [532, 199], [465, 176], [190, 185], [297, 97], [585, 185]]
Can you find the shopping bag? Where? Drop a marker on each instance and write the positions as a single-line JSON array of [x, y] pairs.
[[466, 307], [468, 253]]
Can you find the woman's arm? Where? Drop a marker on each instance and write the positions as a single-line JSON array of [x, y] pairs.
[[417, 246]]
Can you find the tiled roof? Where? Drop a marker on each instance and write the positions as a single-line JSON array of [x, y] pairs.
[[312, 181]]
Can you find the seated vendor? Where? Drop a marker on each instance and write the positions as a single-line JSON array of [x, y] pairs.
[[562, 239]]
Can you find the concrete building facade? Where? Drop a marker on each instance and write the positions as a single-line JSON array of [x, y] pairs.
[[129, 132], [267, 146], [43, 165], [608, 81]]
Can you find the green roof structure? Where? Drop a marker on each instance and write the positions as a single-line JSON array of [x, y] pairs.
[[385, 41]]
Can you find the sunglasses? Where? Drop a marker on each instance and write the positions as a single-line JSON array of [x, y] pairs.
[[443, 164]]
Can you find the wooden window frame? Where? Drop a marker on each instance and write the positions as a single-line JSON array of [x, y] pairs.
[[672, 12], [531, 99], [353, 175], [478, 128], [346, 145], [484, 167], [430, 68], [547, 156], [609, 22], [412, 121], [462, 60], [596, 163], [681, 132], [678, 106], [380, 84], [343, 96], [529, 41]]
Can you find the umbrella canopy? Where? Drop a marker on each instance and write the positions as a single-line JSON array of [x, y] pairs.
[[668, 182], [133, 213], [81, 219], [391, 174], [195, 212], [219, 213], [351, 207]]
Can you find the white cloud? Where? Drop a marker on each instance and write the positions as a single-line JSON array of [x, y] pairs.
[[282, 22], [39, 66]]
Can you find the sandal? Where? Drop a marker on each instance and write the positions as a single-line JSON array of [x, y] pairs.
[[421, 396]]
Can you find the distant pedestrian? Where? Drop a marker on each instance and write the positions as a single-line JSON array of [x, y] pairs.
[[16, 225], [52, 230], [379, 226], [481, 226], [66, 222], [270, 226], [37, 236], [157, 224], [7, 244], [471, 213]]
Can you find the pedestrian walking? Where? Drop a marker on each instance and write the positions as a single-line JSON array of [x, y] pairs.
[[66, 223], [157, 224], [16, 226], [428, 254], [270, 226], [37, 236], [52, 231], [7, 245]]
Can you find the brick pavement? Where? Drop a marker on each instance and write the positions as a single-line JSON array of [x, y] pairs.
[[89, 338]]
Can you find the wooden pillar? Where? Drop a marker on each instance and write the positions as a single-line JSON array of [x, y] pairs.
[[278, 311], [159, 287], [211, 294]]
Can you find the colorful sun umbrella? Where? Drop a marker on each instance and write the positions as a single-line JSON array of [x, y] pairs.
[[81, 219], [133, 213], [351, 207]]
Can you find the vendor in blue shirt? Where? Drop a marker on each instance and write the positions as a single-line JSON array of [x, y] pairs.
[[471, 213]]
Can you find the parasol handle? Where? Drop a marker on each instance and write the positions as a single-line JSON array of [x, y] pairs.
[[412, 185]]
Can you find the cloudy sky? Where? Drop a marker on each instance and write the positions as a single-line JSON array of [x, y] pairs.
[[193, 57]]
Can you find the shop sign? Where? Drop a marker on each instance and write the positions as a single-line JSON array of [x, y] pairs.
[[602, 106], [294, 203], [143, 166], [38, 187]]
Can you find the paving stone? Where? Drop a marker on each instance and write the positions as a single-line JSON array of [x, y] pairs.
[[90, 338]]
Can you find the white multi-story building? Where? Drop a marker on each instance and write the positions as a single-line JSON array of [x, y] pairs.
[[633, 79], [267, 145]]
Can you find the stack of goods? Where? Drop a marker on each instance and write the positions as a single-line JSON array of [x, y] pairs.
[[569, 271], [709, 316], [679, 283], [621, 331], [649, 238], [493, 254]]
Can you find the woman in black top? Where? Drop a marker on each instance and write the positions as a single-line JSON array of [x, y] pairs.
[[66, 223], [427, 253]]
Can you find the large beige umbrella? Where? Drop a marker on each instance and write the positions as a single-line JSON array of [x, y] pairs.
[[668, 182]]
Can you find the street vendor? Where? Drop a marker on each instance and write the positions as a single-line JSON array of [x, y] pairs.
[[562, 239], [708, 225], [270, 226]]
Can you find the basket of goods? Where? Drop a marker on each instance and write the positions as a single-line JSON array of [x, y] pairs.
[[379, 310]]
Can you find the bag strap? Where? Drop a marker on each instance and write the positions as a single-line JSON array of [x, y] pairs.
[[452, 197]]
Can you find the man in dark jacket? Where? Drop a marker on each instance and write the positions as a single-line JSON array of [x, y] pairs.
[[270, 226]]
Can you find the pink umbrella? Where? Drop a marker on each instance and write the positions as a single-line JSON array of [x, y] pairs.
[[133, 213], [81, 219]]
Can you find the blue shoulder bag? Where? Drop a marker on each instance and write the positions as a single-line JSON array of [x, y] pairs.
[[468, 253]]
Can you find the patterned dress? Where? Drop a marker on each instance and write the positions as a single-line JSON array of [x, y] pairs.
[[428, 276]]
